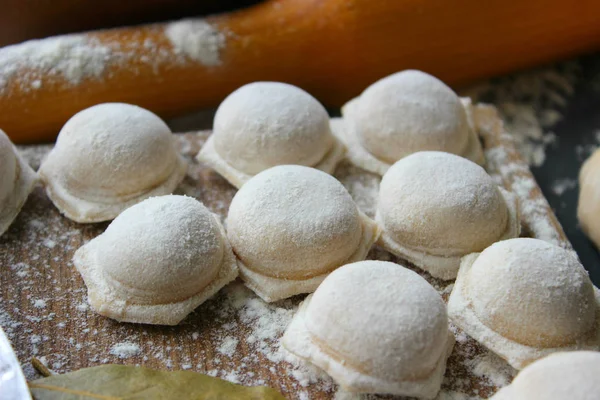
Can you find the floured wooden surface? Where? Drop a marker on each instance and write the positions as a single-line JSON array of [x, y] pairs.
[[235, 335]]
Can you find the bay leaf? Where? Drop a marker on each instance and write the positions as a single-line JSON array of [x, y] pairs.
[[120, 382]]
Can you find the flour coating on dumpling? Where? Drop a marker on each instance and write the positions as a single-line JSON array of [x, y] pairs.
[[436, 207], [265, 124], [291, 225], [109, 157], [404, 113], [375, 327], [524, 299], [17, 181], [157, 261]]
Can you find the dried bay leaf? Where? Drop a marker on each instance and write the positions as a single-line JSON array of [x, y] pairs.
[[117, 382]]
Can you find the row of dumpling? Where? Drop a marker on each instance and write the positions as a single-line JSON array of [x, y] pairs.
[[111, 156], [290, 226]]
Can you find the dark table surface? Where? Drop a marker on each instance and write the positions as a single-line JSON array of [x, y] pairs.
[[578, 134]]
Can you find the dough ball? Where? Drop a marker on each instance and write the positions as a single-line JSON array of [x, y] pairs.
[[264, 124], [532, 292], [375, 327], [442, 203], [407, 112], [588, 210], [560, 376], [293, 222], [108, 157], [162, 251]]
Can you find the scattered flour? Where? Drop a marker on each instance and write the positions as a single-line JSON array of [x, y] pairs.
[[560, 186], [363, 186], [534, 208], [583, 151], [196, 39], [125, 350]]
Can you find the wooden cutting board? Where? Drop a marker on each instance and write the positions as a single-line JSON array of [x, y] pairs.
[[235, 335]]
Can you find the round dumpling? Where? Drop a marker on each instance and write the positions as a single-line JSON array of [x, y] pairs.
[[265, 124], [157, 261], [588, 208], [404, 113], [534, 297], [109, 157], [290, 226], [17, 181], [569, 375], [436, 207], [375, 327]]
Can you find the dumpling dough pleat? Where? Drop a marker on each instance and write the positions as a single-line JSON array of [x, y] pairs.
[[109, 157], [157, 261], [265, 124], [525, 299], [404, 113]]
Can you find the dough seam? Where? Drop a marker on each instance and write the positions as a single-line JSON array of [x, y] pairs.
[[103, 301], [297, 339], [25, 181], [209, 156], [85, 211], [516, 354], [442, 267], [272, 289]]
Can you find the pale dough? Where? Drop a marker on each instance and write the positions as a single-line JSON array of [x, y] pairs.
[[265, 124], [109, 157], [561, 376], [404, 113], [436, 207], [157, 261], [17, 181]]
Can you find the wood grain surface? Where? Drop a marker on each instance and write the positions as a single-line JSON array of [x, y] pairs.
[[43, 299]]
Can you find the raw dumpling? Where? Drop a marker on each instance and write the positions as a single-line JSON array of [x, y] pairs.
[[401, 114], [524, 299], [265, 124], [290, 226], [588, 210], [109, 157], [436, 207], [157, 261], [375, 327], [561, 376], [17, 181]]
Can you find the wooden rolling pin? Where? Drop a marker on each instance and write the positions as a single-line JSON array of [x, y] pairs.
[[332, 48]]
